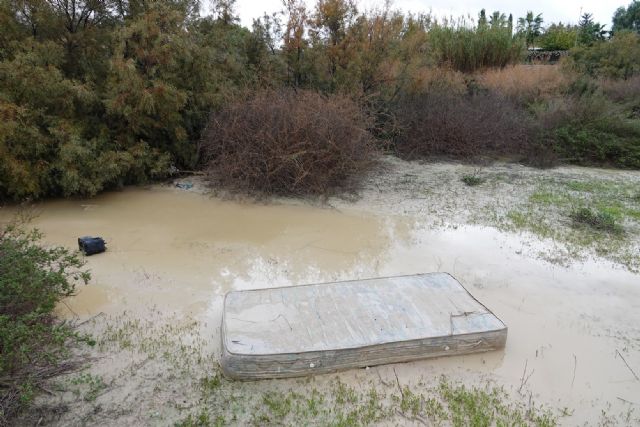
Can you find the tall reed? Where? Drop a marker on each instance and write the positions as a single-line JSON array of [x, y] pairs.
[[471, 48]]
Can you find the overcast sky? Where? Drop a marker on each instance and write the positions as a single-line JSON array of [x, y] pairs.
[[552, 10]]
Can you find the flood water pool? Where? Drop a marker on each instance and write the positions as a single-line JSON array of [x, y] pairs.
[[181, 251]]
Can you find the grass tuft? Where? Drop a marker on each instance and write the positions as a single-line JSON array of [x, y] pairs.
[[596, 219], [472, 180]]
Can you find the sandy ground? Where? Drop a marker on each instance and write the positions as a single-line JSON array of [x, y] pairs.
[[155, 299]]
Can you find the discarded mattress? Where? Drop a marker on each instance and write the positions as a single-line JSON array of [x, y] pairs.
[[311, 329]]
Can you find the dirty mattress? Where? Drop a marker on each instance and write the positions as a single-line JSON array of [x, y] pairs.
[[320, 328]]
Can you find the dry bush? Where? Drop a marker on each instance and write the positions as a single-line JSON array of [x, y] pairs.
[[622, 90], [527, 83], [419, 80], [437, 78], [441, 123], [288, 143]]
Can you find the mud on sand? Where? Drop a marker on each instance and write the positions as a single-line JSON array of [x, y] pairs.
[[570, 296]]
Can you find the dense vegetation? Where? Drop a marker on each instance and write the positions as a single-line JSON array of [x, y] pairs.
[[627, 18], [33, 344], [98, 94]]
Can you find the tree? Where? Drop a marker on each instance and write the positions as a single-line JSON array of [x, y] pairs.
[[482, 19], [263, 52], [127, 10], [381, 45], [498, 20], [294, 39], [95, 94], [166, 75], [559, 37], [224, 11], [330, 24], [589, 31], [332, 18], [627, 18], [530, 27], [53, 139], [83, 24], [618, 58]]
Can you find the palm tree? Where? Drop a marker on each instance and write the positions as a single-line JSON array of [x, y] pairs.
[[530, 27], [482, 19], [498, 19]]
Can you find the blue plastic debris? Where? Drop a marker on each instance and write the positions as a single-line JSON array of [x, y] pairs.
[[91, 245], [184, 185]]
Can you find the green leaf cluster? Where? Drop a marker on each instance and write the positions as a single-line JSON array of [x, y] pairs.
[[33, 280], [96, 95]]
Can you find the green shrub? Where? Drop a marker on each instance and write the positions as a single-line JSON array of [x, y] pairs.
[[33, 279], [47, 147], [590, 130], [587, 145], [113, 99], [616, 58]]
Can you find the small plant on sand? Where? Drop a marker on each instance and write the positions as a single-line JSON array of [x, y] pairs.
[[445, 403], [210, 384], [598, 220], [279, 404], [471, 180], [91, 385], [203, 419]]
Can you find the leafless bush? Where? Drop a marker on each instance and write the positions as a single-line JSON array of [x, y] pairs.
[[441, 123], [526, 84], [288, 143], [437, 78]]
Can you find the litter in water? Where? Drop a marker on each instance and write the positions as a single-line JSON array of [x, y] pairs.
[[91, 245], [320, 328], [184, 185]]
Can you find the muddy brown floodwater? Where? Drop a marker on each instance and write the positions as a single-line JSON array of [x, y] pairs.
[[180, 251]]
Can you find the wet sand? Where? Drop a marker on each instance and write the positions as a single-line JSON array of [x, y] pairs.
[[575, 328]]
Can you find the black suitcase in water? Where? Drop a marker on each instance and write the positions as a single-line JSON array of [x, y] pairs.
[[91, 245]]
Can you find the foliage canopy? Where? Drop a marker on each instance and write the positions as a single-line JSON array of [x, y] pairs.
[[99, 94]]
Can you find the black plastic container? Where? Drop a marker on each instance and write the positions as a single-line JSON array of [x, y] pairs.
[[91, 245]]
